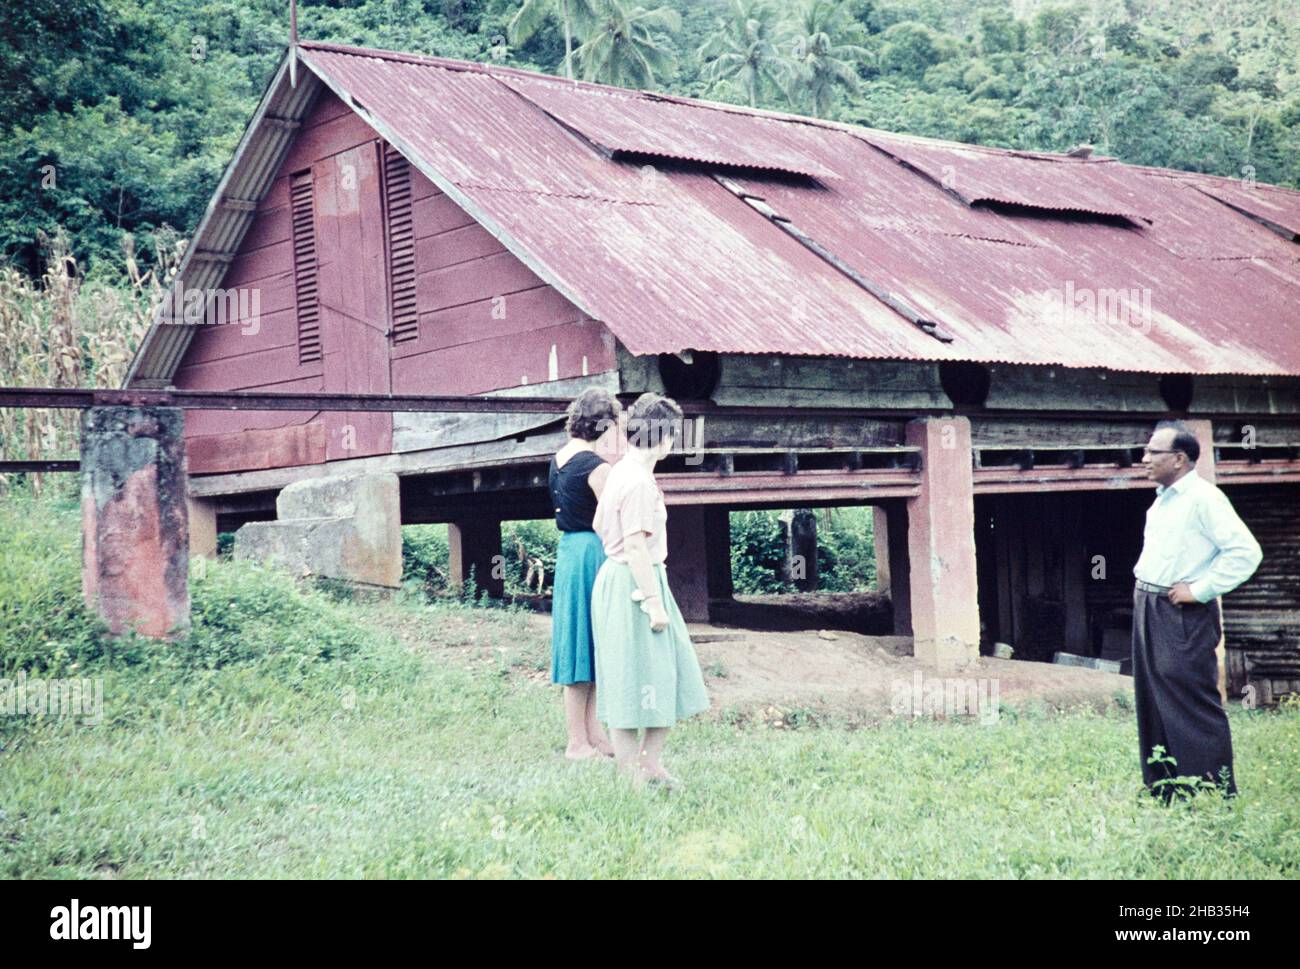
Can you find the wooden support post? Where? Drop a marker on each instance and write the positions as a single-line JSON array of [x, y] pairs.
[[475, 546], [880, 541], [897, 567], [802, 550], [687, 564], [941, 546], [717, 545]]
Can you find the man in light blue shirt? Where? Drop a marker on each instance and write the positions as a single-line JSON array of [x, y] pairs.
[[1194, 549]]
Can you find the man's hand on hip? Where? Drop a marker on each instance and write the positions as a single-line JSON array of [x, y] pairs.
[[1181, 595]]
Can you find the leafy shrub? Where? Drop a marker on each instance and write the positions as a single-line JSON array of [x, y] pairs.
[[846, 559], [240, 612]]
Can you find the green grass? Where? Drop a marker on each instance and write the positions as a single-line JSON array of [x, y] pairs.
[[425, 742]]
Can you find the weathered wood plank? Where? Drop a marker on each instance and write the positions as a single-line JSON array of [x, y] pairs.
[[1062, 388]]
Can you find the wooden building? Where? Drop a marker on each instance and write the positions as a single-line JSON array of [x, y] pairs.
[[975, 341]]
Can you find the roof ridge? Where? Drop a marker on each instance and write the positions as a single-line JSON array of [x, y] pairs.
[[504, 71]]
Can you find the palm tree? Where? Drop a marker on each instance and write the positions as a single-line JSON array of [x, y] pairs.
[[746, 52], [620, 48], [572, 13], [820, 61]]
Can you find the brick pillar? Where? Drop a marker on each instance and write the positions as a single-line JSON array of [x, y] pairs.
[[717, 547], [134, 524], [475, 543], [1205, 467], [941, 546], [688, 565], [203, 527]]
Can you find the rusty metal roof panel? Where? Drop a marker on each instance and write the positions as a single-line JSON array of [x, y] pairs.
[[636, 123], [1166, 297], [1055, 183], [1279, 207]]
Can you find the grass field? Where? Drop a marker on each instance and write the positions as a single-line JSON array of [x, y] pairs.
[[297, 735]]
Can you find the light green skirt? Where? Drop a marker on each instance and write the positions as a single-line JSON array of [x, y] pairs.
[[643, 678]]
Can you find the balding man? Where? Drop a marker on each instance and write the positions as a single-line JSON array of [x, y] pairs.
[[1194, 549]]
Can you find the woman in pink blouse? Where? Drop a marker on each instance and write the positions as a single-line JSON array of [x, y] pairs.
[[647, 674]]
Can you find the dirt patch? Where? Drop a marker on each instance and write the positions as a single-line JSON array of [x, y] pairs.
[[789, 676], [860, 612], [785, 675]]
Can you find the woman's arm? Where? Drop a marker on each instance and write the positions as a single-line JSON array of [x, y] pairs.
[[596, 480], [638, 560]]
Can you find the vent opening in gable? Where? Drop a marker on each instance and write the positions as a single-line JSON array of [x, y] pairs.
[[400, 226], [304, 267]]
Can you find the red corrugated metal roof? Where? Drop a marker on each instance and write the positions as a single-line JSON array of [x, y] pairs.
[[668, 258], [1048, 182]]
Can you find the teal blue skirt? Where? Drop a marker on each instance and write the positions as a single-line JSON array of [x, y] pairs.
[[643, 678], [573, 657]]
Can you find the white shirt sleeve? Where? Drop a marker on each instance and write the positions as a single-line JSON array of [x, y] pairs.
[[1238, 553]]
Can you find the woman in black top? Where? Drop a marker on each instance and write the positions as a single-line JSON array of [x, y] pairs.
[[576, 478]]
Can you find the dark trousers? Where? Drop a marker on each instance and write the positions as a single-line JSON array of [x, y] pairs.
[[1176, 690]]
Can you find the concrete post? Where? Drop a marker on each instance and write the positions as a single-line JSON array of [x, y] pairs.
[[475, 544], [941, 546], [134, 525]]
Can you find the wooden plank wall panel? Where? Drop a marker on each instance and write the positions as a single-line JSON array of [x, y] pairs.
[[487, 322], [353, 296], [233, 357]]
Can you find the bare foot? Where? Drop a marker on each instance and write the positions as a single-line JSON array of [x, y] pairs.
[[580, 752], [635, 774], [658, 774], [604, 748]]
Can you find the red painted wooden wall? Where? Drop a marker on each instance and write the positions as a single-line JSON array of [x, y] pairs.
[[486, 321]]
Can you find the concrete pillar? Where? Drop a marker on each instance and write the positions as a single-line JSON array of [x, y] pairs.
[[1206, 468], [941, 546], [475, 545], [134, 526], [717, 547], [688, 561], [203, 527], [1204, 431]]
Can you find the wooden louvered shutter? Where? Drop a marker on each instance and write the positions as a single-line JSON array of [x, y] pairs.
[[401, 247], [304, 267]]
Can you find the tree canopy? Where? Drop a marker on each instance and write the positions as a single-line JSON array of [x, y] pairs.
[[118, 116]]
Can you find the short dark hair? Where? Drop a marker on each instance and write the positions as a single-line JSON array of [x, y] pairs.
[[648, 418], [1184, 439], [591, 413]]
